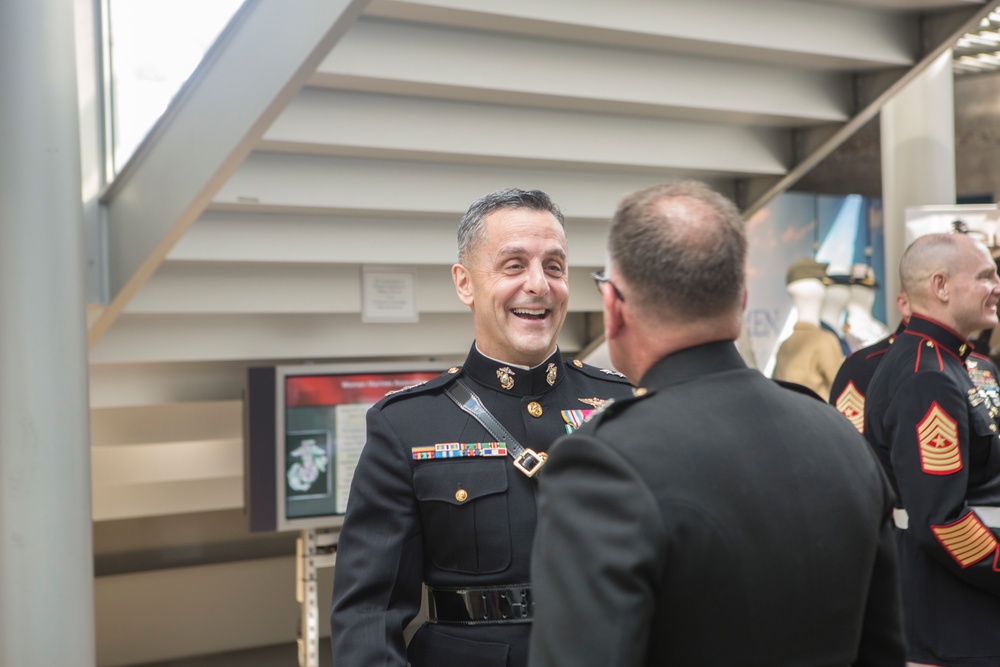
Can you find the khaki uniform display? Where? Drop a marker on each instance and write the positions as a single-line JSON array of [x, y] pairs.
[[810, 357]]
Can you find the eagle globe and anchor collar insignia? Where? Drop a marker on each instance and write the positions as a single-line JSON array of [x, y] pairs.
[[506, 377]]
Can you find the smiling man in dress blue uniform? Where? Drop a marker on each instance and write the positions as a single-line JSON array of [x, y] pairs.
[[438, 500], [932, 423]]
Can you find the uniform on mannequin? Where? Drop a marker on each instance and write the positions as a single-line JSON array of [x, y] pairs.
[[862, 327], [810, 356]]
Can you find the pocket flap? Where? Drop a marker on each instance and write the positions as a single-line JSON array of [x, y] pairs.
[[442, 480]]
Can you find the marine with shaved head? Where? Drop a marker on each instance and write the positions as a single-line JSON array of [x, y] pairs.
[[934, 433]]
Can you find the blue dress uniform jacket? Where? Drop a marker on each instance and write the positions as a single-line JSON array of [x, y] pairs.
[[449, 522], [847, 393], [718, 519], [935, 432], [850, 387]]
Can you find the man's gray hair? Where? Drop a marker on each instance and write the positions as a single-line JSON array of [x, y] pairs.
[[470, 229], [681, 247]]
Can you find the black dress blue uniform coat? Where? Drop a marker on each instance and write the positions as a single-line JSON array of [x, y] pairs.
[[449, 522], [717, 519], [934, 429], [850, 386]]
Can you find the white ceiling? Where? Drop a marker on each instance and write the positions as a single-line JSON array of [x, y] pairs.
[[323, 136]]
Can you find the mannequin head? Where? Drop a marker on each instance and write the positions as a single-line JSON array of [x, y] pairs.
[[805, 284], [863, 286], [862, 299], [807, 297], [838, 293]]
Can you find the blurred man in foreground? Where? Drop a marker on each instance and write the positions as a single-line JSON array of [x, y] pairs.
[[717, 518]]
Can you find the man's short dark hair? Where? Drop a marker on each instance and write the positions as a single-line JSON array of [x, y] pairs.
[[681, 247], [470, 229]]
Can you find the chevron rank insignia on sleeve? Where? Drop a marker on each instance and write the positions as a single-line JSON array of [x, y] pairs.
[[851, 404], [937, 434]]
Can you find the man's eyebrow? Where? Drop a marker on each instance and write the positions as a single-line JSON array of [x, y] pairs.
[[514, 250]]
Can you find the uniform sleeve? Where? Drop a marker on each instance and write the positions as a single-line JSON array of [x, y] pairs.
[[594, 564], [882, 627], [377, 577], [930, 428], [840, 381]]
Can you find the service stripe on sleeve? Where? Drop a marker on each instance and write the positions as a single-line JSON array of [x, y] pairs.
[[967, 540]]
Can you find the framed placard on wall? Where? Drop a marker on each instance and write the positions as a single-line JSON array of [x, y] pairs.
[[388, 294]]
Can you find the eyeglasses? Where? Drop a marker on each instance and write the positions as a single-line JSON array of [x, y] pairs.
[[600, 279]]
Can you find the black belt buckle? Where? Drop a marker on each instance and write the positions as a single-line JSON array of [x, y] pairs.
[[516, 604], [480, 605], [530, 462]]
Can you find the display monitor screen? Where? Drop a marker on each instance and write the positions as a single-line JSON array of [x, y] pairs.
[[305, 432]]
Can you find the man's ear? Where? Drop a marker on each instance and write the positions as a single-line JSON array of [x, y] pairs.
[[939, 286], [462, 278], [614, 316]]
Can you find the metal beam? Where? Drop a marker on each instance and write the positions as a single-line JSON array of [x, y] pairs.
[[944, 30]]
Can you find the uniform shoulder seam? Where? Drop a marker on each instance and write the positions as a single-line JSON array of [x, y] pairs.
[[596, 371], [435, 383]]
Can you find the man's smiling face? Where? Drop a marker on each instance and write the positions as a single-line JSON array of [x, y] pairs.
[[515, 282]]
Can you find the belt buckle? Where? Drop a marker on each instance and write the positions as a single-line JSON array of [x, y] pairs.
[[517, 602], [530, 462]]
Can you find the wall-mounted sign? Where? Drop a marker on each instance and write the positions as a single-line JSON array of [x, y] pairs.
[[388, 295]]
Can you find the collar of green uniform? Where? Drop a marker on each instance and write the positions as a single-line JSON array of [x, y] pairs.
[[521, 381], [691, 363]]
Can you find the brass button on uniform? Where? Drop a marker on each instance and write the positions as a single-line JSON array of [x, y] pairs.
[[535, 409], [639, 391], [461, 495], [963, 348], [578, 363], [929, 344], [993, 427], [454, 369]]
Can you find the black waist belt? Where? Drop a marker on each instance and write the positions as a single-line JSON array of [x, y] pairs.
[[480, 605]]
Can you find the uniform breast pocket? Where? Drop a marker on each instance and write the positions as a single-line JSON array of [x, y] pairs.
[[463, 504]]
